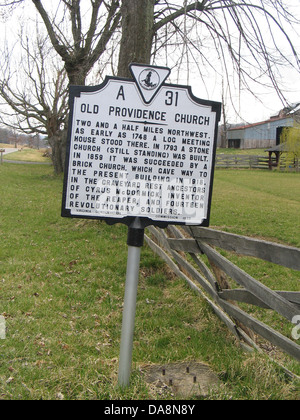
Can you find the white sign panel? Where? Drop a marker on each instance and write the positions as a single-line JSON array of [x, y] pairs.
[[140, 148]]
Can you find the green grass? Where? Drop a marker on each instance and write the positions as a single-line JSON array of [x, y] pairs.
[[28, 155], [62, 290], [255, 152], [258, 203]]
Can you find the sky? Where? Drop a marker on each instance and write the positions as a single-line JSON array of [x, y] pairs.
[[247, 108]]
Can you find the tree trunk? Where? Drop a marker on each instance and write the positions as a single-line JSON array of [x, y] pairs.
[[76, 75], [58, 147], [137, 34]]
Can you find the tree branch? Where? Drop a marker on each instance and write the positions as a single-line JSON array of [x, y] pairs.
[[113, 21], [59, 48], [197, 6]]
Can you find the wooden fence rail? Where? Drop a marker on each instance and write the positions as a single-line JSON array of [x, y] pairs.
[[182, 249], [251, 162], [242, 161]]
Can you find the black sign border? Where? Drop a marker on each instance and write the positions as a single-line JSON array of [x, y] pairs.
[[75, 92]]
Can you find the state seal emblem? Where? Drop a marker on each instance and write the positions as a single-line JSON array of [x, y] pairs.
[[149, 79]]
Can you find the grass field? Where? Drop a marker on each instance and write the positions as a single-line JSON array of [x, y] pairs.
[[5, 145], [259, 203], [255, 152], [28, 155], [62, 289]]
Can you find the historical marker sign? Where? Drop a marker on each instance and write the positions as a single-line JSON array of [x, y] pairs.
[[140, 148]]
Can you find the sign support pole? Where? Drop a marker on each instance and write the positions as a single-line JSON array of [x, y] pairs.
[[135, 242]]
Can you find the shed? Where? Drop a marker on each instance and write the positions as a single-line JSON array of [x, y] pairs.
[[277, 150], [265, 134]]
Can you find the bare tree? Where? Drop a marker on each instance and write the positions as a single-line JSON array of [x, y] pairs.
[[35, 98], [248, 37], [80, 33], [80, 46]]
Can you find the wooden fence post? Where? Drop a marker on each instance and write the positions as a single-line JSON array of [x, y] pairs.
[[2, 151]]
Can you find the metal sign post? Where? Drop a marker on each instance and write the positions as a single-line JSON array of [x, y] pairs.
[[135, 242], [140, 152]]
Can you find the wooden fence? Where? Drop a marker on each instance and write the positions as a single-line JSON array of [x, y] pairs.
[[251, 162], [182, 248], [242, 161]]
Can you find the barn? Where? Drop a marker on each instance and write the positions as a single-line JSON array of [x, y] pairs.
[[265, 134]]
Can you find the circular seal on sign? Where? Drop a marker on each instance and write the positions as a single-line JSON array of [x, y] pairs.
[[149, 79]]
